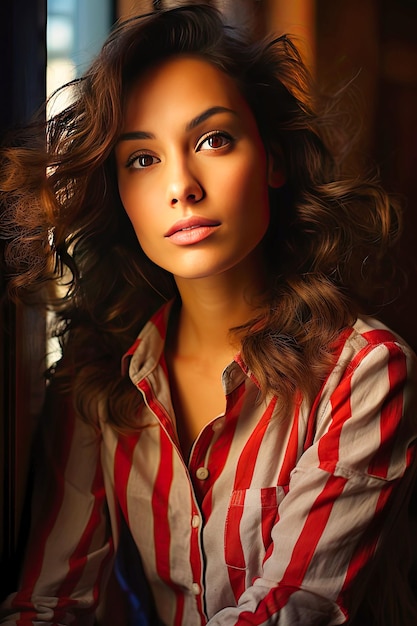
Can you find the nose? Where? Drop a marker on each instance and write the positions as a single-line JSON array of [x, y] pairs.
[[184, 187]]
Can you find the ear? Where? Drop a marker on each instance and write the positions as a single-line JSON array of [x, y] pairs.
[[276, 173]]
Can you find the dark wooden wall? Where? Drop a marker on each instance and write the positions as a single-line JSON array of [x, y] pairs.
[[376, 41]]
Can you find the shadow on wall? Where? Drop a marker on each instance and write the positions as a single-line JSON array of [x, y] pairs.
[[376, 43]]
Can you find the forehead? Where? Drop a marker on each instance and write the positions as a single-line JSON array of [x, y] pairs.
[[181, 86]]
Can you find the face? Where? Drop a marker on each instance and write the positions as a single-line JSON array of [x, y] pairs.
[[192, 170]]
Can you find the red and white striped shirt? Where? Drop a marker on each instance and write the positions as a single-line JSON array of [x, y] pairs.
[[270, 521]]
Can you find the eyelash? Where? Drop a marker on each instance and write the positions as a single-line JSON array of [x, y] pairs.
[[216, 133], [135, 157]]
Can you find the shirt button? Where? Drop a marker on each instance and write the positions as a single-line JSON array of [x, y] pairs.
[[195, 588], [195, 522], [202, 473]]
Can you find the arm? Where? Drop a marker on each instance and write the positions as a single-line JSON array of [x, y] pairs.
[[69, 546], [341, 496]]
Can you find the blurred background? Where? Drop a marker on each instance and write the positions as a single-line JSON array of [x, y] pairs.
[[44, 44]]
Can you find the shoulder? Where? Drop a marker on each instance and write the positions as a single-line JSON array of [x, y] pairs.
[[374, 373], [366, 412], [369, 339], [374, 332]]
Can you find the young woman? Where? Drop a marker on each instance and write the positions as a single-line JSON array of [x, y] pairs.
[[250, 460]]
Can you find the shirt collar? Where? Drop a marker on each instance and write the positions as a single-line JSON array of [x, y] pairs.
[[146, 351]]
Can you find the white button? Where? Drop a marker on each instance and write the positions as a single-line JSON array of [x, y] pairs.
[[195, 522], [195, 588], [202, 473]]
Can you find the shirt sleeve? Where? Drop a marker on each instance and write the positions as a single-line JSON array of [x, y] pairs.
[[344, 495], [69, 549]]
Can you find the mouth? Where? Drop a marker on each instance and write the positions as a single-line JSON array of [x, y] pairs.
[[191, 230], [191, 223]]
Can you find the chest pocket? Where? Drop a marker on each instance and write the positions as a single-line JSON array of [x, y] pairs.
[[251, 515]]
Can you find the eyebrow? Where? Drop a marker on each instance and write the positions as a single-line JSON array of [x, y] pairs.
[[205, 115], [196, 121]]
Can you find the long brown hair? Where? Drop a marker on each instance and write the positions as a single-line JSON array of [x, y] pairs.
[[62, 216]]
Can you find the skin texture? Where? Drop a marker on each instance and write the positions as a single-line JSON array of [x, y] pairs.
[[190, 150], [180, 172]]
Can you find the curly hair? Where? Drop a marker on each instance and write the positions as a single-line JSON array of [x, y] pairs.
[[62, 217]]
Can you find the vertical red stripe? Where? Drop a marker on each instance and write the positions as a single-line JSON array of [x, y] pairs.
[[233, 545], [160, 506], [244, 472], [391, 413], [329, 444], [366, 550], [269, 518], [128, 356], [221, 448], [160, 499], [337, 350], [123, 460], [159, 320], [291, 450], [179, 610], [61, 447], [312, 531], [247, 459], [78, 559], [157, 408]]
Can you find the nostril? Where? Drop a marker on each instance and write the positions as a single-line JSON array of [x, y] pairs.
[[186, 198]]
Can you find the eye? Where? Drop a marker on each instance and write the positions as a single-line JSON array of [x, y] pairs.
[[214, 141], [141, 161]]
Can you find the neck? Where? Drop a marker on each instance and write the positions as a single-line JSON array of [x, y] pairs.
[[212, 306]]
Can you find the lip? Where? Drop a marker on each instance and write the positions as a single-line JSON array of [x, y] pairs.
[[189, 223], [191, 230]]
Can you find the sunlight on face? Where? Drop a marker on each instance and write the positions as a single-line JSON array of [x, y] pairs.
[[192, 170]]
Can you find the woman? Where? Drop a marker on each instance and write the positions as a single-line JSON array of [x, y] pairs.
[[258, 466]]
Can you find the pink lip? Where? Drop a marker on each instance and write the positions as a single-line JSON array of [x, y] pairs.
[[191, 230]]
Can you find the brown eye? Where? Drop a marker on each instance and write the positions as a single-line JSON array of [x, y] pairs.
[[214, 141], [141, 161], [145, 160]]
